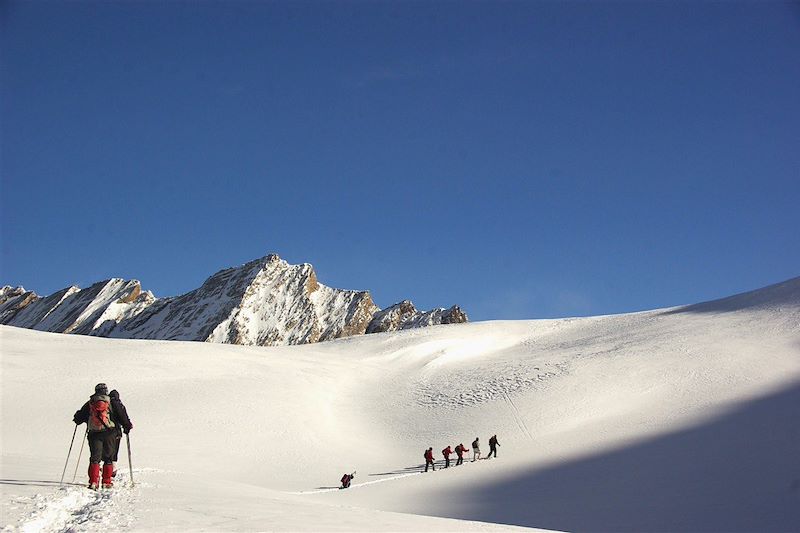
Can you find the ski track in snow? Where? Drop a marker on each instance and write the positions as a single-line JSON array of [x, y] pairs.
[[73, 509], [355, 486], [517, 417], [419, 469]]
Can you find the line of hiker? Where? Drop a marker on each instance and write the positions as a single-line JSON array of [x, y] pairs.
[[106, 420], [460, 451]]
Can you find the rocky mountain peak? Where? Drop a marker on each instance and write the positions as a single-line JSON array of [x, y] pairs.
[[264, 302]]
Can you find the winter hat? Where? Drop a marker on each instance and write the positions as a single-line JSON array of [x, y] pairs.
[[101, 388], [114, 394]]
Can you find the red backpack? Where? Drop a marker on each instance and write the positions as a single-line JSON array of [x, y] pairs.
[[100, 413]]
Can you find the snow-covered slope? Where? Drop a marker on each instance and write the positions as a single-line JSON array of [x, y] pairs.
[[684, 419], [266, 302]]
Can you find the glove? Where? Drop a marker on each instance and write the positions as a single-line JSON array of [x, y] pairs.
[[75, 420], [128, 429]]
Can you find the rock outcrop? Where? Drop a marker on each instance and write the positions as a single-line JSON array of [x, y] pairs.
[[266, 302], [404, 315]]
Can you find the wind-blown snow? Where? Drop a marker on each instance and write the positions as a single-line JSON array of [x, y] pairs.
[[684, 419]]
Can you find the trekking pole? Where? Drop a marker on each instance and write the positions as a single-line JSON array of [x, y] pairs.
[[78, 464], [130, 465], [68, 454]]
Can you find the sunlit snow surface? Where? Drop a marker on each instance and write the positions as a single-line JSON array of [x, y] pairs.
[[680, 420]]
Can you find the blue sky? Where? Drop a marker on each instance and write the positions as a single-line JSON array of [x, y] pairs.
[[521, 159]]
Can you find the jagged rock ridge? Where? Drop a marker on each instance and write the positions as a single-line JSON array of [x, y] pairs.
[[404, 315], [265, 302]]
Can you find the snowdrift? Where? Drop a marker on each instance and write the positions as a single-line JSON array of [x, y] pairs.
[[683, 419]]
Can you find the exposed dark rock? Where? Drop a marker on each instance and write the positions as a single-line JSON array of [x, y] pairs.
[[404, 315]]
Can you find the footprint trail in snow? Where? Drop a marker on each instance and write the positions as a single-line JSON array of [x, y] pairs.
[[76, 508]]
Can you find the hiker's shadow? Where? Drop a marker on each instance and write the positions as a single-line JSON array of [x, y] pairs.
[[411, 469], [36, 483]]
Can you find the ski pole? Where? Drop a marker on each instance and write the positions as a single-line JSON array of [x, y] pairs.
[[68, 454], [78, 464], [130, 464]]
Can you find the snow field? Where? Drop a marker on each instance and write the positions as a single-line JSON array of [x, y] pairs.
[[685, 420]]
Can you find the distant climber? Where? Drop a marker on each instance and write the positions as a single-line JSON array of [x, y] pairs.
[[493, 444], [101, 434], [346, 479], [460, 451], [476, 450], [429, 459], [446, 452]]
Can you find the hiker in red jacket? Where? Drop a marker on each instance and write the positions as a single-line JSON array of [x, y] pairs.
[[429, 459], [460, 453], [346, 479], [446, 452]]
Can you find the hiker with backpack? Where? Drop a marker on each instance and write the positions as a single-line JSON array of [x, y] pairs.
[[476, 450], [493, 444], [446, 452], [100, 434], [346, 479], [122, 423], [460, 451], [429, 459]]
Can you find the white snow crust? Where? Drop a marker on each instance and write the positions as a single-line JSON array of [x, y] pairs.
[[686, 419]]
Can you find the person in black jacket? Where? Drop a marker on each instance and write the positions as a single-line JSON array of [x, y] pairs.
[[123, 425], [100, 433], [493, 444]]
